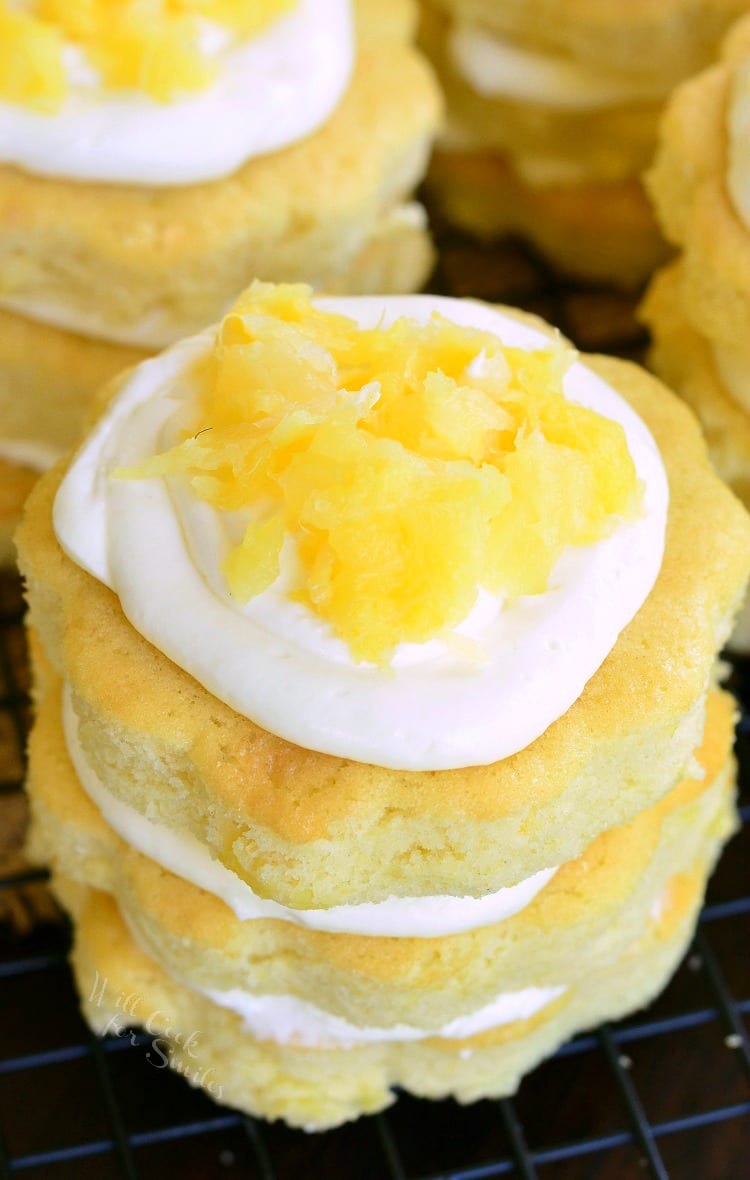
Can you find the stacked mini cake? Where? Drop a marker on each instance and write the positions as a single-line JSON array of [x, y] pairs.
[[152, 164], [376, 741], [698, 308], [552, 116]]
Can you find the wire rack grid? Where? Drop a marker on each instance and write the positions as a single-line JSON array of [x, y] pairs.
[[665, 1093]]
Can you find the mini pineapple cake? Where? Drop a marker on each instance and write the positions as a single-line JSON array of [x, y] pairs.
[[553, 108], [338, 621], [153, 160], [698, 309]]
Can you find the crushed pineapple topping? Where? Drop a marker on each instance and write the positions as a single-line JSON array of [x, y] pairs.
[[155, 46], [408, 465]]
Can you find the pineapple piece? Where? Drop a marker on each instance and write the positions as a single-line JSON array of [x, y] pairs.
[[32, 73]]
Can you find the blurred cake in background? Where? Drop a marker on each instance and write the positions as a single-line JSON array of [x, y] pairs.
[[698, 308], [553, 107], [153, 162]]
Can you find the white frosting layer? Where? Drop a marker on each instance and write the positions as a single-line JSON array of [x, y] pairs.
[[289, 1020], [275, 662], [27, 452], [271, 90], [738, 143], [183, 855], [497, 69]]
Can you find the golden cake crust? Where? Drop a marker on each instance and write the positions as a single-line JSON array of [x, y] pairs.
[[591, 910], [293, 822], [688, 186], [122, 252]]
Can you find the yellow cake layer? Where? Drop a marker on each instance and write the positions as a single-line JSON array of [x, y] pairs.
[[121, 253]]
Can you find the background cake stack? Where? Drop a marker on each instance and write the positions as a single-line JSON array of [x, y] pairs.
[[553, 109], [154, 160], [377, 741], [698, 308]]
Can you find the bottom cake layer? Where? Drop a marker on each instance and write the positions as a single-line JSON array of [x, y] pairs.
[[320, 1087]]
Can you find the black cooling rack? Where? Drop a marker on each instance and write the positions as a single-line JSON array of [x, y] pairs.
[[665, 1093]]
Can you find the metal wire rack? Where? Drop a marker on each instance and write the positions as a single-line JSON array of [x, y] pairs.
[[665, 1093]]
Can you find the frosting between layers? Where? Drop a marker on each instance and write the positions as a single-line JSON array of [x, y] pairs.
[[271, 90], [435, 708], [494, 68], [182, 854], [290, 1020]]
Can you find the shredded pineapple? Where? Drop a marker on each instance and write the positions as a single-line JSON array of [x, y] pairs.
[[147, 45], [410, 465]]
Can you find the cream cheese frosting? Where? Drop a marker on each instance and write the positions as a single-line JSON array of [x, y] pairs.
[[275, 662], [270, 90], [495, 68], [182, 854], [290, 1020]]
